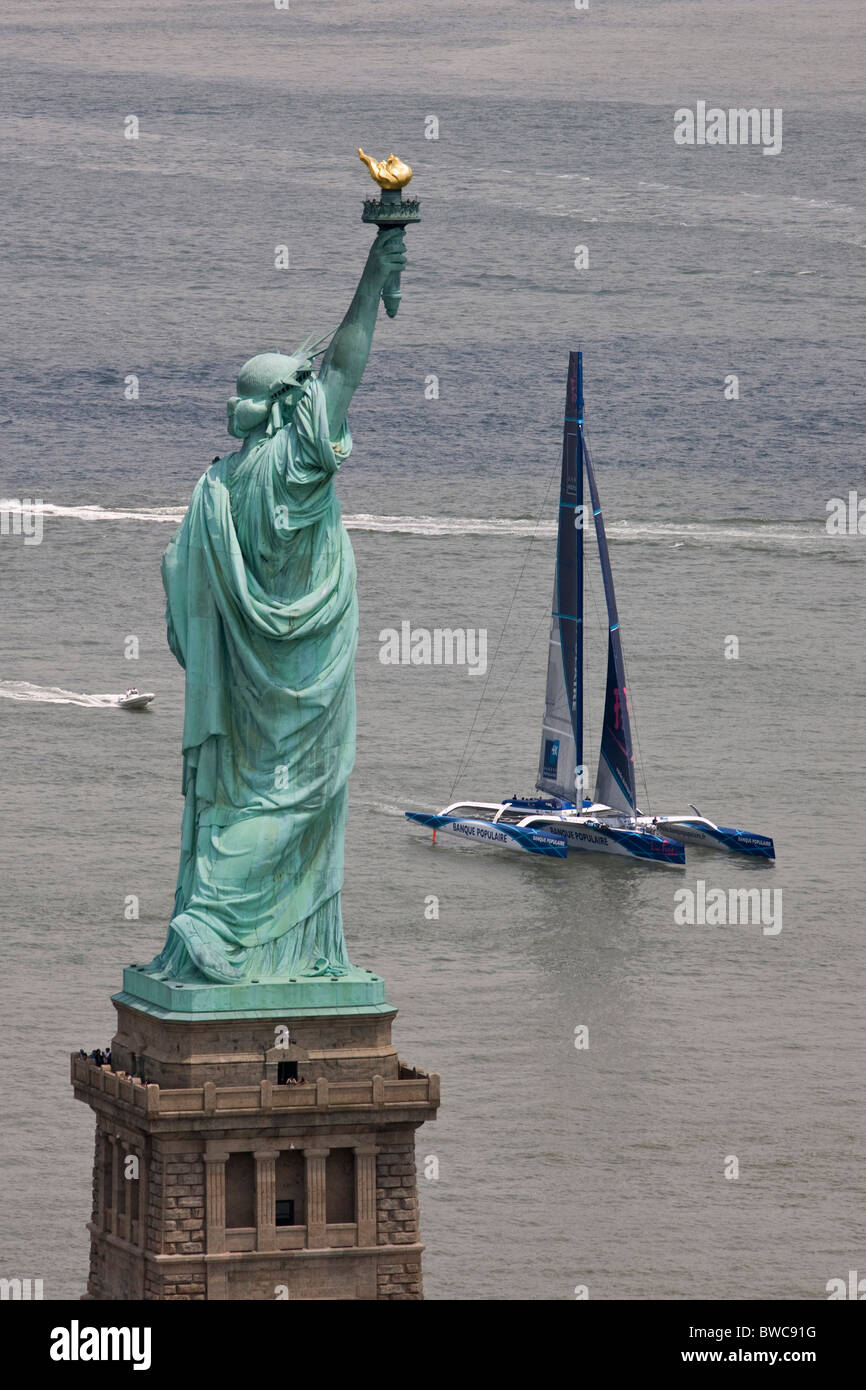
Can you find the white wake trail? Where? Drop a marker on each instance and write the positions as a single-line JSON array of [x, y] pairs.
[[750, 533], [26, 692]]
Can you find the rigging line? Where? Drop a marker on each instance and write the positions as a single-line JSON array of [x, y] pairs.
[[532, 538], [601, 626], [486, 730], [632, 709], [590, 588], [634, 723]]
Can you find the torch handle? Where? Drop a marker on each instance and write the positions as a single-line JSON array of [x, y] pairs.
[[391, 295], [391, 291]]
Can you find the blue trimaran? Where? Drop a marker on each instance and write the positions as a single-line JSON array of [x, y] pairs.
[[610, 823]]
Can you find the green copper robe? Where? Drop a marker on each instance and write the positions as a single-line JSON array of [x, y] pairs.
[[262, 614]]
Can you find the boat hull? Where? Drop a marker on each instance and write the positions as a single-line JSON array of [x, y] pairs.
[[135, 702], [629, 844], [725, 838], [481, 832], [556, 840]]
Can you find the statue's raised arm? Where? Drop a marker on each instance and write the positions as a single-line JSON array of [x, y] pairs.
[[346, 358]]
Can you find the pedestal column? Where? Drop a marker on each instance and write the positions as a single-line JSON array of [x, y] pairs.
[[266, 1199], [215, 1205], [365, 1192], [113, 1221], [317, 1211]]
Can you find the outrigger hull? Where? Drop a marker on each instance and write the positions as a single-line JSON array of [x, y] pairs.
[[697, 830]]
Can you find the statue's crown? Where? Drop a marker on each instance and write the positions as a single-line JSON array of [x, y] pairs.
[[270, 373], [265, 382]]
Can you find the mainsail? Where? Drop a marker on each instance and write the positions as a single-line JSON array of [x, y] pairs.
[[562, 727], [614, 785]]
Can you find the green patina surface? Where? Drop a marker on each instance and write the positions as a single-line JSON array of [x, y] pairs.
[[262, 615], [356, 992]]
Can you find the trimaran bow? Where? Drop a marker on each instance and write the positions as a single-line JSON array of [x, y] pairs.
[[563, 819]]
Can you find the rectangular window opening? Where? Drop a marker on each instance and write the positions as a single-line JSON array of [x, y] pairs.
[[240, 1191], [285, 1211], [290, 1176], [340, 1186]]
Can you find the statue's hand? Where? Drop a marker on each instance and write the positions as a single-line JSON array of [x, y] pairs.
[[387, 256]]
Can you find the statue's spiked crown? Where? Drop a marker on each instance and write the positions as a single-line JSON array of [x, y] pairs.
[[269, 387]]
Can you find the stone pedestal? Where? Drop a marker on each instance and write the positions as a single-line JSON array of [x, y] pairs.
[[218, 1175]]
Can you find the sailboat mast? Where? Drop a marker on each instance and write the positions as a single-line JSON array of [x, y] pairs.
[[579, 516], [562, 725]]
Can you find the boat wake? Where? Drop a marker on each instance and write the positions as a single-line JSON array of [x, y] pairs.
[[390, 808], [28, 693], [92, 511], [807, 535]]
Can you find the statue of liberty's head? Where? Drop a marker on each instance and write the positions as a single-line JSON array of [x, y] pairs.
[[269, 387]]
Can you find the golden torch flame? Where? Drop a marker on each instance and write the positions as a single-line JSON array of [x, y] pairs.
[[388, 173]]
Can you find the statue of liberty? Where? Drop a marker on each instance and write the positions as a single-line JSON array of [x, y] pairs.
[[262, 615]]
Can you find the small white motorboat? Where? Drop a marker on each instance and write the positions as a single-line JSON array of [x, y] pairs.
[[134, 699]]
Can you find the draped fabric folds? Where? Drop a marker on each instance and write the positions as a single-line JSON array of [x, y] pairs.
[[262, 614]]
